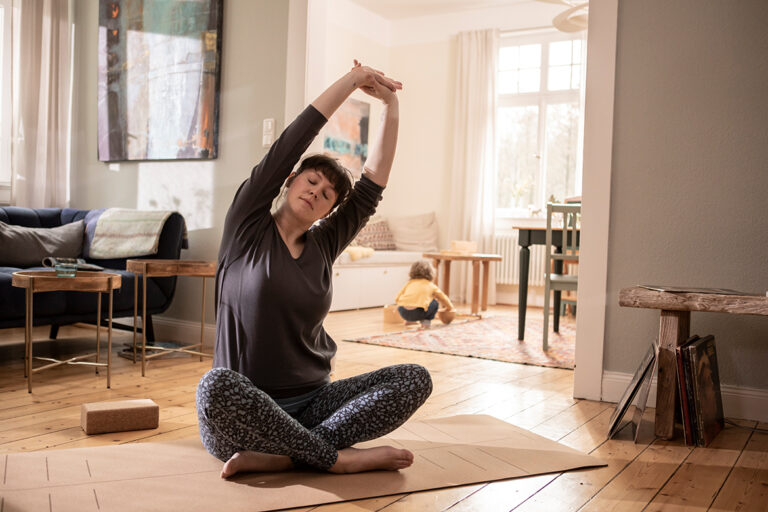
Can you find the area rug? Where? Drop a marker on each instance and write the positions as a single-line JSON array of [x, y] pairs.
[[489, 338], [457, 450]]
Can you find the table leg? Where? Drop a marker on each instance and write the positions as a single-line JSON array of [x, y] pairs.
[[26, 332], [557, 293], [135, 311], [525, 258], [202, 322], [109, 341], [674, 329], [475, 285], [28, 339], [143, 323], [98, 328], [486, 271], [436, 264], [447, 278]]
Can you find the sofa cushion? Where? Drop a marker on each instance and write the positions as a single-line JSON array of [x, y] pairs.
[[376, 235], [22, 246], [415, 232]]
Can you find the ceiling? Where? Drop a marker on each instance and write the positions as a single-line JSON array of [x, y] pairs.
[[401, 9]]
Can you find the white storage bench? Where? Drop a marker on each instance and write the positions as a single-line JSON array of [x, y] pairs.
[[372, 281]]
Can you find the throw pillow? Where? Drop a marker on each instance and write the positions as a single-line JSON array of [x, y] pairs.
[[21, 246], [415, 232], [376, 235]]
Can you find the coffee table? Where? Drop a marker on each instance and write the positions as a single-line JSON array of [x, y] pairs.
[[37, 281], [476, 259], [166, 268]]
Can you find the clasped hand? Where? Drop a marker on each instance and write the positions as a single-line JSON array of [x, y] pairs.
[[374, 83]]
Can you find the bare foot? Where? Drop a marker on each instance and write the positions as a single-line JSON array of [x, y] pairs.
[[355, 460], [246, 461]]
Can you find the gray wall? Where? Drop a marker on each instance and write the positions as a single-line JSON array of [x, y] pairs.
[[690, 171], [253, 85]]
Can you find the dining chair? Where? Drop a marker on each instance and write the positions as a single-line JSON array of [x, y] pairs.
[[555, 279]]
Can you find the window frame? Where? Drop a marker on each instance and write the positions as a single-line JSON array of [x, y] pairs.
[[542, 99]]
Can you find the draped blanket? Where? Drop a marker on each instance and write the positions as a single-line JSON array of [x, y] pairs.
[[123, 233]]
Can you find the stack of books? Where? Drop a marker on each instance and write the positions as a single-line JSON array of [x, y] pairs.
[[698, 383]]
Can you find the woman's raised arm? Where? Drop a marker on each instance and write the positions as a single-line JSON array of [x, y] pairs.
[[376, 84], [382, 153]]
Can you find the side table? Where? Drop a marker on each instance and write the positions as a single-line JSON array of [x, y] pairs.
[[36, 281], [476, 260], [166, 268]]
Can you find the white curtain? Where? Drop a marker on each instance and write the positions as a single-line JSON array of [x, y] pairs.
[[42, 68], [473, 196]]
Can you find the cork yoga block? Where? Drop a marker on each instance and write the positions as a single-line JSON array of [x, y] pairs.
[[391, 316], [119, 416]]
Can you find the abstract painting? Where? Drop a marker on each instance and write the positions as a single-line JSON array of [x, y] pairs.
[[345, 137], [159, 64]]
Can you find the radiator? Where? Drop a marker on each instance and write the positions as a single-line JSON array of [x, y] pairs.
[[508, 270]]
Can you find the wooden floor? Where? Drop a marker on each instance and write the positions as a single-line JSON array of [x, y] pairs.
[[653, 475]]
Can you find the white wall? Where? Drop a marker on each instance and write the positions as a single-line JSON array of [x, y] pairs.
[[253, 85]]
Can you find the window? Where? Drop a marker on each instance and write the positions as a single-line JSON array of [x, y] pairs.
[[5, 98], [538, 120]]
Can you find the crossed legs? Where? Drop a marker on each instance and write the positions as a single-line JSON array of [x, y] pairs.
[[242, 425]]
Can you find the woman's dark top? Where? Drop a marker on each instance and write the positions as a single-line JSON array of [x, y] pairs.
[[270, 305]]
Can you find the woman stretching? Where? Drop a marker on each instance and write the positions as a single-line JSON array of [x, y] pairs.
[[268, 403]]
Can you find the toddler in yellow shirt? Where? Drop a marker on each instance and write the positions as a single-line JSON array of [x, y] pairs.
[[418, 300]]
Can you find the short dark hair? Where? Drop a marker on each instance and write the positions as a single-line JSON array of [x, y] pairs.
[[337, 174], [422, 269]]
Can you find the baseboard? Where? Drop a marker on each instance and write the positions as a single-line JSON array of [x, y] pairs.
[[738, 402], [173, 329]]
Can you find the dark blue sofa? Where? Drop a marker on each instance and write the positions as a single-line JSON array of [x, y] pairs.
[[61, 308]]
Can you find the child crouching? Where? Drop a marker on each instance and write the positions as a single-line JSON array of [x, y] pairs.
[[419, 298]]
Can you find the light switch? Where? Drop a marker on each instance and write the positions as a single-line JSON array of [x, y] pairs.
[[268, 132]]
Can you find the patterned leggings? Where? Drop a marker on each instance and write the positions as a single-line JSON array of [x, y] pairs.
[[235, 415]]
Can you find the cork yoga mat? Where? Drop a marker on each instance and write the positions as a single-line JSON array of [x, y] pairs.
[[181, 475]]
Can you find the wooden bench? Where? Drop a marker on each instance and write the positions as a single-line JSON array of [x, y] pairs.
[[674, 329]]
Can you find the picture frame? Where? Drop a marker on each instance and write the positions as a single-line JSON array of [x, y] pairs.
[[643, 370], [159, 75], [644, 391]]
